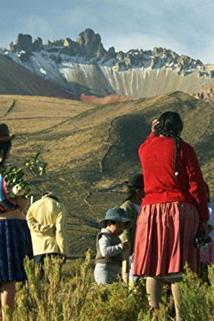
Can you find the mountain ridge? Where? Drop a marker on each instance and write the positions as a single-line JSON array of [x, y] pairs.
[[89, 45], [84, 66]]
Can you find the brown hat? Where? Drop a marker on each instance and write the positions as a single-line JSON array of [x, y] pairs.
[[5, 135], [51, 195]]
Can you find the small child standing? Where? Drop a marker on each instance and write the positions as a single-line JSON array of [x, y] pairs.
[[109, 246]]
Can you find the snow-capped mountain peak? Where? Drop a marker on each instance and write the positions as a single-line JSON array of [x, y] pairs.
[[84, 65]]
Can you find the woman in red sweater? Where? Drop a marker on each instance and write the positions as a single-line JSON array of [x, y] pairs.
[[173, 207]]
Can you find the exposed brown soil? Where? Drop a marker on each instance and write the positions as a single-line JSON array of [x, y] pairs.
[[104, 100]]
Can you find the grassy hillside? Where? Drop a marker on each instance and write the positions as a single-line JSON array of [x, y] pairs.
[[91, 149]]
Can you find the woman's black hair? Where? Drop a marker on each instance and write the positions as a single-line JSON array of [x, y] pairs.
[[109, 222], [170, 124], [4, 149], [112, 222]]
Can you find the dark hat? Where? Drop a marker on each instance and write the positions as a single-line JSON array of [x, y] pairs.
[[5, 135], [136, 181], [115, 214], [50, 194]]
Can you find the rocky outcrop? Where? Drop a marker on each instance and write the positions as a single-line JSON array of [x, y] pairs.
[[24, 46], [37, 44], [89, 46], [24, 43], [109, 55], [70, 47], [85, 63], [206, 93]]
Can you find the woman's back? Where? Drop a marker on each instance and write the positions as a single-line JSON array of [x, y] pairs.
[[170, 179]]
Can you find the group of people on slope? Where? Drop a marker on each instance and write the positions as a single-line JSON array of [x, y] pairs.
[[152, 234], [38, 234], [169, 215]]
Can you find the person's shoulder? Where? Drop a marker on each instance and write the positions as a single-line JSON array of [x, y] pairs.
[[129, 207], [33, 208], [185, 144], [54, 205], [44, 202], [35, 204], [126, 204], [52, 201], [187, 147], [148, 139], [103, 233], [61, 207]]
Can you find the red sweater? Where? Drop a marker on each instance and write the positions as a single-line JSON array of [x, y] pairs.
[[157, 156]]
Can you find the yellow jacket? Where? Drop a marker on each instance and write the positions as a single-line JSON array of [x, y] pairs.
[[46, 219]]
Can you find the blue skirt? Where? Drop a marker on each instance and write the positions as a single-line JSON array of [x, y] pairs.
[[15, 245]]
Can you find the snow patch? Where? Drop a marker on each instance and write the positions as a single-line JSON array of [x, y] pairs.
[[43, 71]]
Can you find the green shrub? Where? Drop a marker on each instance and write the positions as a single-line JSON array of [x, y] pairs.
[[195, 298], [52, 295]]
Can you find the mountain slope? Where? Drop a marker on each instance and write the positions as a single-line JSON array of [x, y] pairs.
[[15, 79], [91, 149]]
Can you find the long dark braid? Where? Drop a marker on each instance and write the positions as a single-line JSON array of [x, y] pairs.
[[5, 142], [171, 125], [4, 149]]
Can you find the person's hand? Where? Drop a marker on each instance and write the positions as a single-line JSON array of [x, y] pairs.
[[49, 229], [63, 258], [23, 203], [125, 245], [154, 123]]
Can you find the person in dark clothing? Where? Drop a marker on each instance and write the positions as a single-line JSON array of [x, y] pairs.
[[135, 193], [15, 241]]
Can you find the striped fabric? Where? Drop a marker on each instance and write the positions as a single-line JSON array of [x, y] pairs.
[[165, 239], [15, 245]]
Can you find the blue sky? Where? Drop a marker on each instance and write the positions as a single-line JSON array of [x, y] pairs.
[[184, 26]]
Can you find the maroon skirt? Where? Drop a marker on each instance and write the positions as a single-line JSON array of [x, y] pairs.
[[164, 239]]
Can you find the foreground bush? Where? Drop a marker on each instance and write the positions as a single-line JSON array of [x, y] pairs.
[[72, 295], [197, 297]]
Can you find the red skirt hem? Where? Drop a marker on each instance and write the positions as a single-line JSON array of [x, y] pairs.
[[165, 239]]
